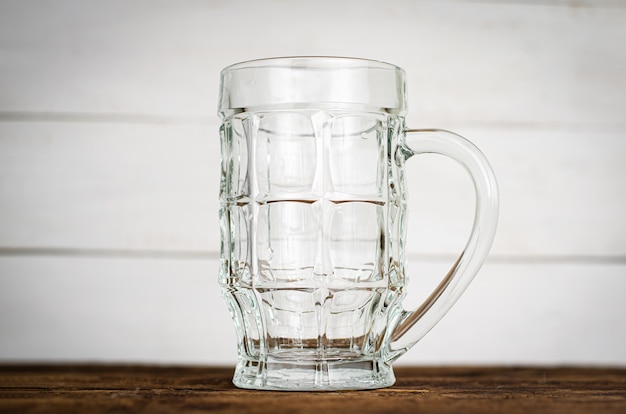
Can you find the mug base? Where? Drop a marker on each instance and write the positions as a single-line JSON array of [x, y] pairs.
[[313, 375]]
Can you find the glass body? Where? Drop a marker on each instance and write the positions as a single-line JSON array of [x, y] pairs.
[[313, 216]]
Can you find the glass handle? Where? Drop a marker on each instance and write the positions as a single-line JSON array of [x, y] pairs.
[[416, 323]]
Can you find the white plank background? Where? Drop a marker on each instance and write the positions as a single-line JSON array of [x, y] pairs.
[[109, 170]]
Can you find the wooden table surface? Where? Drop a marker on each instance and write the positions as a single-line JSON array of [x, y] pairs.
[[154, 389]]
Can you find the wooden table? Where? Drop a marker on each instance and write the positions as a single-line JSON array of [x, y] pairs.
[[153, 389]]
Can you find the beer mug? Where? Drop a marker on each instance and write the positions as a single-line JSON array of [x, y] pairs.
[[313, 219]]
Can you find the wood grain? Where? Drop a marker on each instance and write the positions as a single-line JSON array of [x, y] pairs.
[[150, 389]]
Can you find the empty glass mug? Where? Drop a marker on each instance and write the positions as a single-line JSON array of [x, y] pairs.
[[313, 219]]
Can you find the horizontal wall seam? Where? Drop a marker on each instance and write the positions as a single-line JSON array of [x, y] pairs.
[[70, 252], [154, 119], [105, 118]]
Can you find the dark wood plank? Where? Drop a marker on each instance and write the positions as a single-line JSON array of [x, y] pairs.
[[153, 389]]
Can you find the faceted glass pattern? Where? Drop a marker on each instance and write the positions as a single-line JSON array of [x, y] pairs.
[[311, 226]]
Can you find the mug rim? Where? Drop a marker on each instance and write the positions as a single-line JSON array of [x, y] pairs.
[[313, 62]]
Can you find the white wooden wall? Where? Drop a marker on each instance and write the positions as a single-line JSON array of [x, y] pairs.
[[109, 170]]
